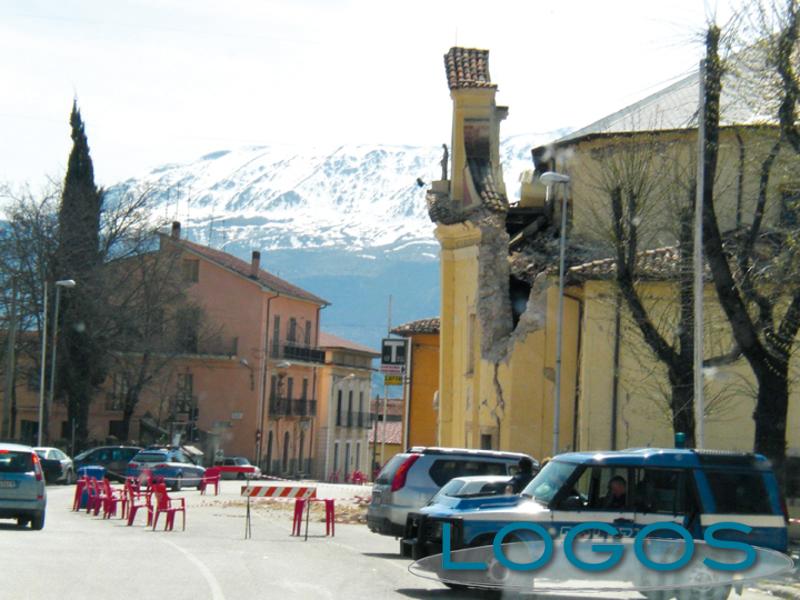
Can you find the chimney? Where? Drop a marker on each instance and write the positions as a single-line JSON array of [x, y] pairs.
[[176, 230], [255, 264]]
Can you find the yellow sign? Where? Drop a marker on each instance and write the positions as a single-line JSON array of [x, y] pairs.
[[392, 380]]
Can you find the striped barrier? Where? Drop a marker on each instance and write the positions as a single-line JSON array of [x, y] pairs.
[[295, 492], [279, 491]]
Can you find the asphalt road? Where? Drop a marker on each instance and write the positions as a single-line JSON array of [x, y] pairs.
[[78, 556]]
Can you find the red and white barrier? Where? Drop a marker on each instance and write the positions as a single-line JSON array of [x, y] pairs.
[[279, 491]]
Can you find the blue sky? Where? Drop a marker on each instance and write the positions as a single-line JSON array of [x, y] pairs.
[[169, 80]]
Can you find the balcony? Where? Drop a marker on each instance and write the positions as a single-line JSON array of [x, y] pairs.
[[354, 419], [297, 352], [286, 407]]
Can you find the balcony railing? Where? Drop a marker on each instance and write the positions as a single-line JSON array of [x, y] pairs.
[[286, 407], [298, 352]]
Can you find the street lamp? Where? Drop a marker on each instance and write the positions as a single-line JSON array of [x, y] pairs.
[[551, 178], [63, 283]]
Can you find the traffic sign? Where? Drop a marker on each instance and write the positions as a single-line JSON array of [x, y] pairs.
[[392, 369], [393, 351], [392, 380]]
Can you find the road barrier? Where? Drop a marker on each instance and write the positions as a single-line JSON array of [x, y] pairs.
[[275, 491]]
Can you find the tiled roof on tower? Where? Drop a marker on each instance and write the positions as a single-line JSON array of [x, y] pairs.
[[467, 68]]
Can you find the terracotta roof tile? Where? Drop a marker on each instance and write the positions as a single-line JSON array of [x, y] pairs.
[[655, 264], [242, 268], [483, 177], [326, 340], [467, 68], [421, 326]]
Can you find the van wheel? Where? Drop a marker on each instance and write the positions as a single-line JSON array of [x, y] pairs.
[[178, 484], [37, 523]]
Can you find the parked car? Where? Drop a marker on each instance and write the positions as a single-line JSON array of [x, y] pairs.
[[236, 467], [22, 491], [627, 489], [114, 459], [57, 466], [171, 464], [410, 479]]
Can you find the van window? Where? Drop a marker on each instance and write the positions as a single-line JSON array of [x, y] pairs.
[[444, 470], [739, 493], [665, 491]]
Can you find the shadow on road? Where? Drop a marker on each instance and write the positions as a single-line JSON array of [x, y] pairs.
[[389, 555]]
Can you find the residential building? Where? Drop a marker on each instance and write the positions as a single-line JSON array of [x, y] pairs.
[[344, 410], [421, 417], [499, 274], [244, 380]]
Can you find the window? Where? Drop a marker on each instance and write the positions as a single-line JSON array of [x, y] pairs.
[[335, 457], [739, 493], [360, 410], [444, 470], [16, 462], [291, 336], [117, 430], [190, 269], [486, 441], [301, 455], [186, 334], [308, 333], [304, 395], [289, 387], [286, 451], [276, 334], [358, 456], [663, 491], [273, 387], [33, 380], [350, 408], [790, 208], [339, 407]]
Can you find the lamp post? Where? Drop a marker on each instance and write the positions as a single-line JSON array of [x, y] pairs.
[[551, 178], [63, 283]]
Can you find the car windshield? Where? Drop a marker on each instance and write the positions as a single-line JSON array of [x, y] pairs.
[[549, 480], [148, 457], [242, 462], [15, 462]]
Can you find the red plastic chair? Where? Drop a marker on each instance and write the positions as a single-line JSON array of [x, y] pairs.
[[299, 509], [138, 499], [95, 501], [111, 497], [80, 486], [168, 506], [210, 477]]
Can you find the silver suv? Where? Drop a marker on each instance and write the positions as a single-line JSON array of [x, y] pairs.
[[22, 491], [410, 479]]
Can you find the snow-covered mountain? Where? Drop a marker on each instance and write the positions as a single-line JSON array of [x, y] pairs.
[[348, 223]]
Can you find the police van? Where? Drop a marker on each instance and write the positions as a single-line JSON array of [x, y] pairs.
[[629, 490]]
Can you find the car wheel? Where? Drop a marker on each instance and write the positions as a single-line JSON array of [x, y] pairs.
[[240, 476], [37, 523], [69, 478], [23, 521], [178, 483]]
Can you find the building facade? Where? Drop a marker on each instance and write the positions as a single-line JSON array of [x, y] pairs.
[[344, 410]]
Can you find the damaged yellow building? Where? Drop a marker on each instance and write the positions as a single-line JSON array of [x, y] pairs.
[[499, 282]]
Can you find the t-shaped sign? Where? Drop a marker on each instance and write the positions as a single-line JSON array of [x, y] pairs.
[[393, 351]]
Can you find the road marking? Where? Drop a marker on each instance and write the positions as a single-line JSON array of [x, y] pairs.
[[216, 590]]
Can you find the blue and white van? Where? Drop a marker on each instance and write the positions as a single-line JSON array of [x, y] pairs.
[[627, 489]]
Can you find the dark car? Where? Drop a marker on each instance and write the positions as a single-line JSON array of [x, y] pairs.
[[57, 466], [114, 459]]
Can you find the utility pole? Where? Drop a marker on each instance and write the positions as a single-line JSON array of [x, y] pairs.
[[8, 392], [698, 266]]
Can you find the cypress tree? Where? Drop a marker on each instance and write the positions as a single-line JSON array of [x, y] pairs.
[[80, 348]]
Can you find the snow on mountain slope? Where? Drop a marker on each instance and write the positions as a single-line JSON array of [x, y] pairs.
[[355, 198]]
